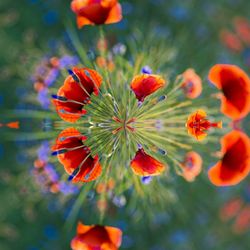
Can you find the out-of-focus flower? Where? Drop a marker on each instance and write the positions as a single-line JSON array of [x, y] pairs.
[[145, 165], [102, 205], [46, 176], [192, 84], [192, 166], [235, 86], [242, 222], [197, 124], [67, 61], [231, 41], [76, 92], [231, 209], [146, 179], [119, 49], [102, 45], [44, 98], [76, 157], [146, 84], [13, 125], [105, 187], [46, 73], [96, 12], [96, 237], [242, 28], [105, 63], [146, 70], [234, 165]]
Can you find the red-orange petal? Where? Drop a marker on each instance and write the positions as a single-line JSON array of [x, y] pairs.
[[235, 163], [145, 84], [90, 171], [115, 14], [82, 21], [77, 156], [75, 92], [81, 228], [145, 165], [115, 235], [95, 236], [235, 85], [95, 12], [192, 84]]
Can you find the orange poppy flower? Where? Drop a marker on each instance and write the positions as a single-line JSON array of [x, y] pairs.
[[192, 166], [145, 165], [76, 157], [235, 163], [146, 84], [235, 86], [96, 12], [197, 124], [192, 84], [76, 92], [96, 237]]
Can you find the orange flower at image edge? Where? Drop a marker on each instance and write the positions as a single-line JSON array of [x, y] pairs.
[[96, 12], [76, 157], [235, 86], [234, 165], [96, 237]]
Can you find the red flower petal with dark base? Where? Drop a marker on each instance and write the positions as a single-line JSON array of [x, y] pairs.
[[75, 156], [144, 85], [73, 95], [94, 12], [192, 84], [145, 165], [235, 86], [96, 237], [235, 163]]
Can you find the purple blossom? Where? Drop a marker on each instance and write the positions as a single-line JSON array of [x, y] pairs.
[[147, 70], [43, 151], [67, 61], [44, 98], [51, 172], [146, 179], [51, 77], [119, 49], [67, 188]]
